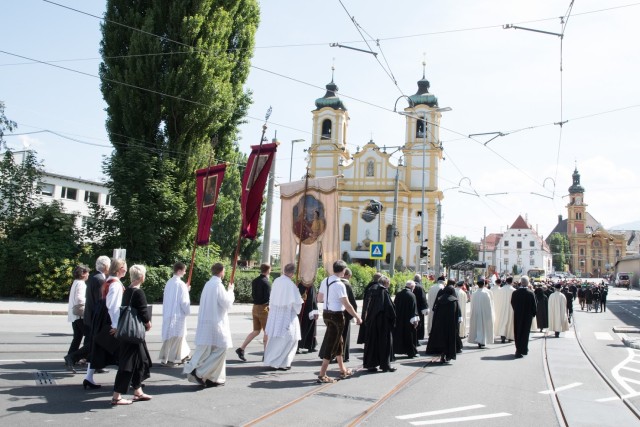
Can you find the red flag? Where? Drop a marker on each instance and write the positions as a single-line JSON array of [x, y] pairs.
[[208, 182], [253, 182]]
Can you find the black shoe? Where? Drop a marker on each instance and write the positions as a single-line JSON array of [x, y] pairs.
[[372, 370], [240, 353], [209, 384], [102, 371], [86, 384], [198, 379], [557, 334], [502, 339], [518, 356], [480, 345], [68, 363], [283, 369], [389, 369]]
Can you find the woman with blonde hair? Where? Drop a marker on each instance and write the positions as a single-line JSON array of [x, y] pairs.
[[134, 360]]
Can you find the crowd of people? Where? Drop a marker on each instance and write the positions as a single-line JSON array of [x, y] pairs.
[[286, 313]]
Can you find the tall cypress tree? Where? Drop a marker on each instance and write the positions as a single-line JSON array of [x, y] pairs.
[[165, 102]]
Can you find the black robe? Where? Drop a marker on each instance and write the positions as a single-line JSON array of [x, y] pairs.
[[378, 340], [588, 295], [365, 303], [307, 326], [421, 301], [542, 311], [444, 338], [523, 302], [404, 334], [346, 332]]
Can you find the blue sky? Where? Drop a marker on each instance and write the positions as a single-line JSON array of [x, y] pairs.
[[494, 79]]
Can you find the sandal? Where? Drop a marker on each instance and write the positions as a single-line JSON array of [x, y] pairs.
[[325, 380], [121, 401], [346, 374], [141, 397]]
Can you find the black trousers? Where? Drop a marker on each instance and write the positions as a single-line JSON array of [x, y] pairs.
[[78, 332], [82, 352]]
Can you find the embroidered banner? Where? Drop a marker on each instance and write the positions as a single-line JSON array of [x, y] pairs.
[[253, 183], [208, 182]]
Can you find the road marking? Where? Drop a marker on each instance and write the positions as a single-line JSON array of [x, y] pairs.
[[608, 399], [564, 387], [461, 419], [31, 360], [440, 412], [603, 336], [631, 369], [623, 381], [629, 380]]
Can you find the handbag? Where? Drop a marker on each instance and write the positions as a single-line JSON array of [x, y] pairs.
[[130, 328], [78, 310]]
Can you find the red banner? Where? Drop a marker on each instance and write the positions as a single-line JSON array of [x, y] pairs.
[[208, 182], [253, 183]]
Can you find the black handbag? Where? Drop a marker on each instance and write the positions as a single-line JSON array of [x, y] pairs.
[[130, 327]]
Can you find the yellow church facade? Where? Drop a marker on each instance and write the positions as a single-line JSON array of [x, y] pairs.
[[381, 200]]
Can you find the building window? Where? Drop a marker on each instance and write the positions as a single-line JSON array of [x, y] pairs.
[[46, 189], [532, 262], [506, 243], [370, 168], [107, 200], [326, 129], [581, 251], [531, 253], [532, 244], [91, 197], [87, 222], [389, 233], [506, 261], [346, 233], [519, 245], [506, 251], [69, 193]]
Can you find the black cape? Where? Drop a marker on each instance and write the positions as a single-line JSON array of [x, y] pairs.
[[380, 320], [404, 333], [365, 304], [307, 326], [444, 338], [542, 311], [523, 302], [346, 332], [421, 301]]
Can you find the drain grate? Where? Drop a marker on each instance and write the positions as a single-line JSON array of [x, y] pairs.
[[44, 378]]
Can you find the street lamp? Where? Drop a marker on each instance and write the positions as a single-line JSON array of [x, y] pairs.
[[291, 161], [376, 208]]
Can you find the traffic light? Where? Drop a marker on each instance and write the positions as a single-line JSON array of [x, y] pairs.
[[424, 251]]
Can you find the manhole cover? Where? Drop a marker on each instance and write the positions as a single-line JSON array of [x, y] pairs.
[[44, 378]]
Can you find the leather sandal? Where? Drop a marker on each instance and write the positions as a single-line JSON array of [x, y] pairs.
[[346, 374], [141, 397], [323, 379], [120, 401]]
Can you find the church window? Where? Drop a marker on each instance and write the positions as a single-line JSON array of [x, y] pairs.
[[370, 168], [389, 233], [617, 253], [519, 245], [346, 233], [532, 244], [326, 129], [506, 243], [532, 261], [596, 243]]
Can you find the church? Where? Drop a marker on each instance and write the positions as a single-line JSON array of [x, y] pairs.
[[379, 200], [594, 250]]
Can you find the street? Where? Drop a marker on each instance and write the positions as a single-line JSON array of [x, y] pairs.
[[556, 384]]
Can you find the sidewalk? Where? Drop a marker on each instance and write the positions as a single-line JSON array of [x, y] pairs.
[[10, 306]]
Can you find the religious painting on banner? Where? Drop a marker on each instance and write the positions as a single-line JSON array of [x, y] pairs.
[[253, 183], [309, 225], [208, 183]]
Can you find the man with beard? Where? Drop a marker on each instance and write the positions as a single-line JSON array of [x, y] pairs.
[[365, 302], [404, 333], [308, 318], [422, 306], [558, 321], [444, 338], [523, 302], [378, 340], [504, 311], [482, 316]]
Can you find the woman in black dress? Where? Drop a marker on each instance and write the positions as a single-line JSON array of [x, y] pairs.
[[134, 359], [542, 312], [444, 331]]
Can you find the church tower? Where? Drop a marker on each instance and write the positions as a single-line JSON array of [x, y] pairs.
[[329, 141], [577, 209]]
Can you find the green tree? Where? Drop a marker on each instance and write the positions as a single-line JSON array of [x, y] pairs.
[[5, 125], [559, 245], [456, 249], [170, 88], [18, 187]]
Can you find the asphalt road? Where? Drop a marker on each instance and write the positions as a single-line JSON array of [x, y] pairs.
[[556, 381]]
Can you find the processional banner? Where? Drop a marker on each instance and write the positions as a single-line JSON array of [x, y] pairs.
[[253, 183], [208, 182]]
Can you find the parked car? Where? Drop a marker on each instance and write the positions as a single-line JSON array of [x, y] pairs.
[[623, 280]]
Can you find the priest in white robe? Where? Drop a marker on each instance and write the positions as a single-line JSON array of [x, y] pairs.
[[432, 295], [558, 320], [503, 311], [462, 303], [207, 367], [482, 315], [176, 306], [283, 327]]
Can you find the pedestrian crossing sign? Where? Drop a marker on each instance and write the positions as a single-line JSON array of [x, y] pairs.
[[377, 250]]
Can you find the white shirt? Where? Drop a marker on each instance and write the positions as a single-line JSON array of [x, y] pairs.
[[114, 300], [76, 296], [332, 296], [176, 305]]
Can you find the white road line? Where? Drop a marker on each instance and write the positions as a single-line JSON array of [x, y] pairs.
[[629, 380], [615, 372], [31, 360], [608, 399], [631, 369], [603, 336], [440, 412], [564, 387], [460, 419]]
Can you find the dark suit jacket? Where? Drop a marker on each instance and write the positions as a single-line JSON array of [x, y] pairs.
[[93, 295]]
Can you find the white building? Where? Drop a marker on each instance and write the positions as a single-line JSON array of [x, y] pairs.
[[75, 194], [519, 245]]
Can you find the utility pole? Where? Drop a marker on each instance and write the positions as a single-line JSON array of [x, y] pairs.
[[484, 247], [422, 215], [438, 260], [266, 242], [394, 221]]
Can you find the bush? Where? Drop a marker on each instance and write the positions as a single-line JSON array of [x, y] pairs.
[[52, 281]]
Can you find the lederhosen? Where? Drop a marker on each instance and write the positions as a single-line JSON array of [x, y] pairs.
[[333, 345]]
